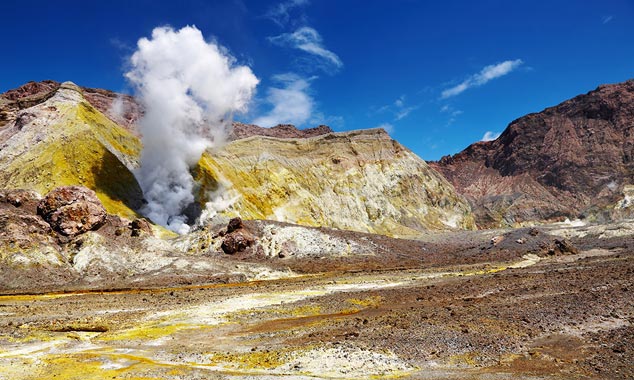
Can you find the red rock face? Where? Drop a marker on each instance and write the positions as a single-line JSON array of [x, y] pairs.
[[31, 89], [71, 210], [570, 160], [120, 108], [283, 131]]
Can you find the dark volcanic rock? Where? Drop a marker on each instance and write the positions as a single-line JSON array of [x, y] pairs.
[[568, 161], [71, 210], [283, 131], [236, 239], [236, 242], [234, 224]]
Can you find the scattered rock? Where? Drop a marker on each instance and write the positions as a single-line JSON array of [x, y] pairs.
[[72, 210], [20, 198], [495, 240], [564, 246], [234, 224], [140, 226]]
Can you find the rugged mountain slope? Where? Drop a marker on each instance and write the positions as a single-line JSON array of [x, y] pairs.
[[60, 134], [574, 160], [53, 137], [361, 181]]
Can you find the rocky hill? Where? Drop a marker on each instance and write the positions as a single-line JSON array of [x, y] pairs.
[[360, 181], [56, 134], [574, 160]]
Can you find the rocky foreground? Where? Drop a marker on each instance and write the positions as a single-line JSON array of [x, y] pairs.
[[99, 296], [516, 304]]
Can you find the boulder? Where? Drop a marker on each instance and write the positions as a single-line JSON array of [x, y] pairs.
[[234, 224], [236, 239], [72, 210], [236, 242], [140, 226]]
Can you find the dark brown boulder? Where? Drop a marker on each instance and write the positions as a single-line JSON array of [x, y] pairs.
[[236, 241], [72, 210], [234, 224]]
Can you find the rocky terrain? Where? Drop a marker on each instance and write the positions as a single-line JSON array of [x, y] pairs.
[[67, 135], [330, 255], [572, 161], [360, 181]]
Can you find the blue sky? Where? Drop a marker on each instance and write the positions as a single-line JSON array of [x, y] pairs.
[[439, 75]]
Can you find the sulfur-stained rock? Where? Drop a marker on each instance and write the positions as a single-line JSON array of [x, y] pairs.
[[359, 181], [71, 210], [55, 137]]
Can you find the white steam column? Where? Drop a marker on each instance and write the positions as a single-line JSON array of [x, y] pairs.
[[189, 89]]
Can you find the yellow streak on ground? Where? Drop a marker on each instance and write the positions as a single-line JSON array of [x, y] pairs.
[[93, 363]]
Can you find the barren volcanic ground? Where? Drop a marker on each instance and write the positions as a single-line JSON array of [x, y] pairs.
[[534, 309]]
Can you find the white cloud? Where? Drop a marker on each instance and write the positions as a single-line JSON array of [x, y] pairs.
[[490, 136], [389, 128], [291, 103], [280, 13], [484, 76], [308, 40], [606, 19], [404, 111]]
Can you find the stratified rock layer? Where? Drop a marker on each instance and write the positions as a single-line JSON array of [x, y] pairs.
[[361, 181], [574, 160]]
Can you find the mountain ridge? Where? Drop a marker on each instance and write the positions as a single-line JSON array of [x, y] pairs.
[[572, 160]]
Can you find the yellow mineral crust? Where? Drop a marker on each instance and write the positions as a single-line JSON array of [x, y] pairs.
[[68, 142], [361, 181]]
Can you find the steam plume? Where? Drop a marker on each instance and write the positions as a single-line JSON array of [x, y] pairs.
[[189, 89]]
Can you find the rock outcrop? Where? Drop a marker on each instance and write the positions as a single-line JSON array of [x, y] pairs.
[[72, 210], [360, 181], [282, 131], [60, 139], [574, 160]]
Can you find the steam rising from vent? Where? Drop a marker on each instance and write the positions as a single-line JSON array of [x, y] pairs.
[[189, 89]]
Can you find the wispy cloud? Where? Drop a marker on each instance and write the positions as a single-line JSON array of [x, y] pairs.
[[308, 40], [290, 101], [606, 19], [490, 136], [280, 13], [452, 112], [389, 128], [399, 108], [484, 76]]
